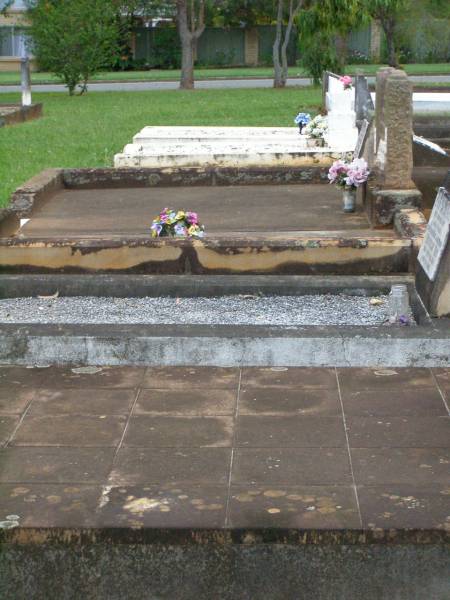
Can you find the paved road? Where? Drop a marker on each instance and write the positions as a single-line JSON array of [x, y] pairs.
[[140, 86]]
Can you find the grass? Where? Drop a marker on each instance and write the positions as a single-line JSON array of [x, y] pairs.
[[86, 131], [207, 73]]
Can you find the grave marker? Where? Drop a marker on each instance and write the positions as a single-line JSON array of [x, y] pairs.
[[25, 80], [433, 276]]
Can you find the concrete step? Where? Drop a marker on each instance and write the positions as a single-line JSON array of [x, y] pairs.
[[224, 153], [151, 135]]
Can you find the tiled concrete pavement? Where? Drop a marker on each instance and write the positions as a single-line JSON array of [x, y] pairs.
[[212, 447]]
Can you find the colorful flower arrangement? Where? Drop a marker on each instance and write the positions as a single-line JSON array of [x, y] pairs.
[[348, 175], [181, 223], [346, 81], [317, 127], [301, 120]]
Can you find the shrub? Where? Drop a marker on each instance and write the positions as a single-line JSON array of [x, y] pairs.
[[72, 39]]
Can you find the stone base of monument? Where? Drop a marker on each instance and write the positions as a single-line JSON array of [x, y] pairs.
[[11, 114]]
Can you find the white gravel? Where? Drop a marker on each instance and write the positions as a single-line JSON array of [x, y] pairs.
[[283, 311]]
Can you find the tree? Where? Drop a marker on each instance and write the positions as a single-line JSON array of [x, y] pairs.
[[323, 32], [241, 13], [388, 12], [191, 25], [74, 40], [279, 51]]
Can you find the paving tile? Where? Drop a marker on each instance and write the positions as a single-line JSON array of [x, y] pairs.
[[288, 401], [50, 505], [163, 506], [148, 431], [7, 426], [356, 380], [405, 506], [70, 430], [293, 377], [55, 464], [187, 402], [82, 401], [189, 378], [405, 403], [421, 466], [443, 379], [409, 432], [291, 466], [84, 377], [22, 376], [14, 400], [294, 432], [308, 507], [171, 465]]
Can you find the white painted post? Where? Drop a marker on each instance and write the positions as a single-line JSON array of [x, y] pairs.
[[26, 80]]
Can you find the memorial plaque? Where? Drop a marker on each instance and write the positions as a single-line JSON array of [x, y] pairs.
[[436, 235]]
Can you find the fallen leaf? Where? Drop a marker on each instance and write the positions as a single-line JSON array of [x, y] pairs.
[[376, 301], [53, 296]]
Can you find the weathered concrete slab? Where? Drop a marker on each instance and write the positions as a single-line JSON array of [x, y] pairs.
[[289, 253], [223, 345], [235, 208], [151, 135], [90, 477], [223, 154], [12, 114], [224, 146]]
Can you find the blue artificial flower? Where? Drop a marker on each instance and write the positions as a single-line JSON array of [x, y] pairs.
[[302, 119]]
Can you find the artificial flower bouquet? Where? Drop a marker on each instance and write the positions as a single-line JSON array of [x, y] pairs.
[[348, 175], [317, 127], [346, 81], [177, 223], [301, 120]]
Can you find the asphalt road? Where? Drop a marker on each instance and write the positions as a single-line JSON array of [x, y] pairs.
[[139, 86]]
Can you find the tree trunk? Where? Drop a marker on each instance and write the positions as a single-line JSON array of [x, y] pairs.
[[342, 50], [187, 57], [277, 74], [187, 64], [287, 36], [280, 65], [389, 30]]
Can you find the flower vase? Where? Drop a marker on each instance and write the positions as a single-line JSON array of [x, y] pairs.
[[349, 200]]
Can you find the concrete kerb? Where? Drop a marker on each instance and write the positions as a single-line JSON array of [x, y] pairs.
[[217, 345], [224, 346]]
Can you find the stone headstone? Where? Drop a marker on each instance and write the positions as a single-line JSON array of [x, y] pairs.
[[394, 129], [433, 277]]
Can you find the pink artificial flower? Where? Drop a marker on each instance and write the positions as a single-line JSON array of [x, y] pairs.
[[337, 169], [346, 81], [192, 218], [357, 173]]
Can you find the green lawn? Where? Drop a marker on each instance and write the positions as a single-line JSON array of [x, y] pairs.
[[167, 75], [86, 131]]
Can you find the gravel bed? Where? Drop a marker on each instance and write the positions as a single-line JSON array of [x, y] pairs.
[[282, 311]]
